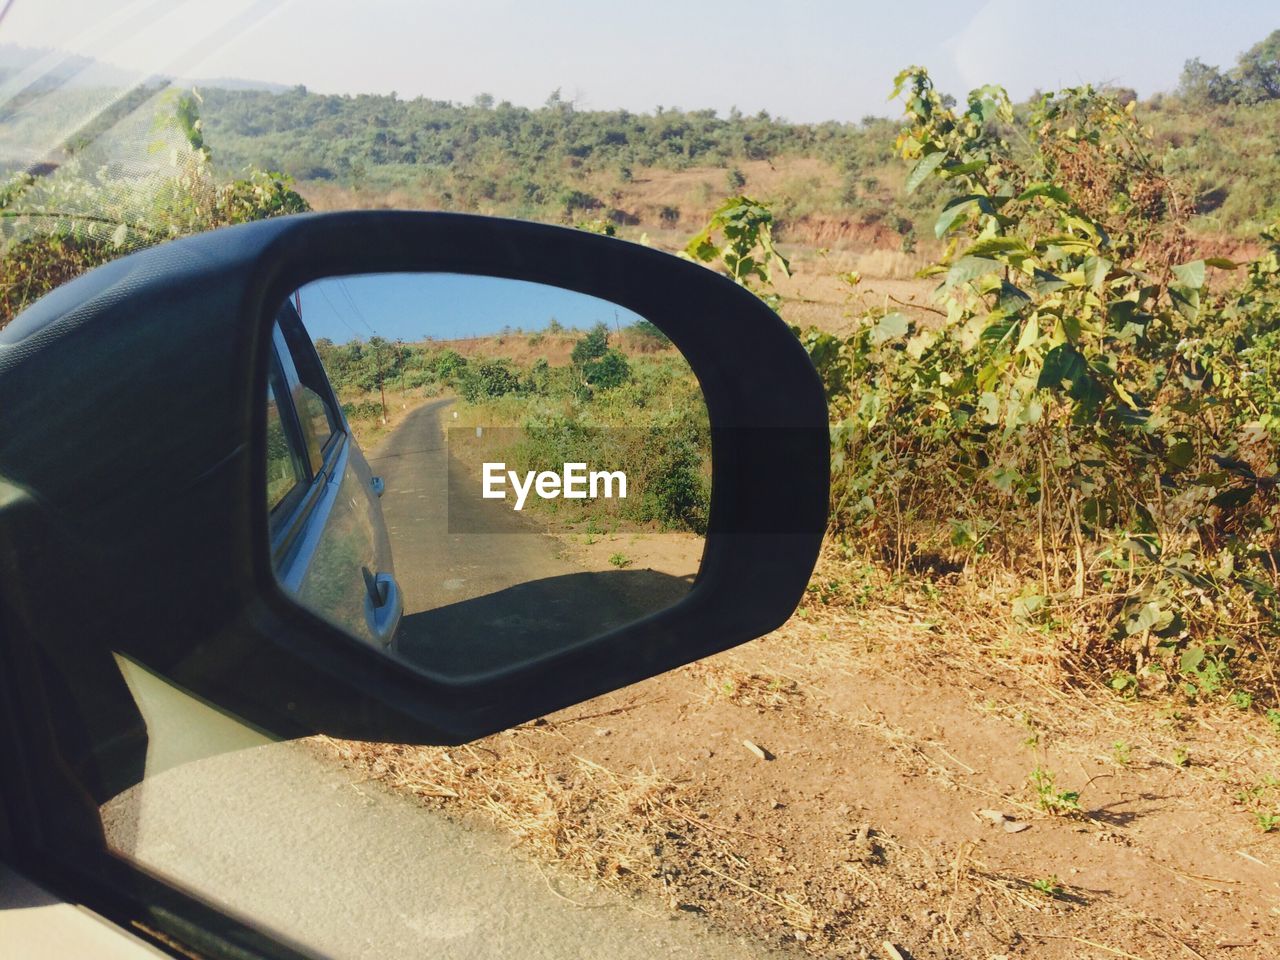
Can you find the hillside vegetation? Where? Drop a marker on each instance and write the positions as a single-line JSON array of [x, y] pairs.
[[1218, 133]]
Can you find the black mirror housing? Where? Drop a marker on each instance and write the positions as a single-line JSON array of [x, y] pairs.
[[133, 517]]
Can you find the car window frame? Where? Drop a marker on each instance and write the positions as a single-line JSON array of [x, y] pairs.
[[300, 360], [288, 504], [289, 518]]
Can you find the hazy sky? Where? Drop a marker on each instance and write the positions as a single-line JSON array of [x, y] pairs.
[[819, 60]]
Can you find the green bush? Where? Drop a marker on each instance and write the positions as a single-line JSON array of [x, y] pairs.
[[447, 365], [1089, 413], [362, 410], [642, 415], [414, 379], [648, 331], [81, 215], [608, 372], [676, 491], [487, 380], [592, 346]]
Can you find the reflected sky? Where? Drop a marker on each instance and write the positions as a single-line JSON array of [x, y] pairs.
[[444, 306]]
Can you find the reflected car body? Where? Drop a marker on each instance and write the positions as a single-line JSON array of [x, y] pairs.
[[329, 544]]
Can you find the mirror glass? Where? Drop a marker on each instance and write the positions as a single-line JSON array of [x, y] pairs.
[[469, 472]]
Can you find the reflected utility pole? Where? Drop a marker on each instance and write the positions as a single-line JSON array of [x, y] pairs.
[[377, 352]]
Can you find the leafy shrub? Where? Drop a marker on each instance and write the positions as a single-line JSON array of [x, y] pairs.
[[1088, 413], [486, 380], [648, 331], [82, 214], [738, 239], [414, 379], [611, 370], [676, 491], [362, 410], [448, 364], [651, 424], [592, 346]]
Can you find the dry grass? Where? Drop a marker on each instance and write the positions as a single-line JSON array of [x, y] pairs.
[[963, 628], [640, 833], [400, 403], [744, 688], [637, 831], [598, 823]]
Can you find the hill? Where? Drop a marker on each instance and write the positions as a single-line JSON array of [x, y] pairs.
[[832, 184]]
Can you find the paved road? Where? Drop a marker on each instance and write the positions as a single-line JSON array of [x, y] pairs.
[[475, 601]]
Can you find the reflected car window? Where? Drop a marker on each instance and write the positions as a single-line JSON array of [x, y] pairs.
[[284, 472], [307, 386]]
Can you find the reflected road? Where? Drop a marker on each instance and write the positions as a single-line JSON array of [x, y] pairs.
[[477, 601]]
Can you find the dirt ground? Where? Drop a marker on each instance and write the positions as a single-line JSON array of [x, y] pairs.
[[900, 771], [862, 783]]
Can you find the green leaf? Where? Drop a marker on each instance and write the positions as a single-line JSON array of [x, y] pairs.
[[989, 407], [970, 268], [1150, 617], [1124, 313], [1032, 412], [1010, 298], [954, 210], [999, 327], [1095, 272], [1071, 327], [1190, 275], [1191, 658], [1144, 546], [1181, 454], [920, 172], [1045, 283], [1087, 227], [701, 248], [1052, 191], [921, 342], [1063, 362], [1186, 301], [1024, 608], [891, 327], [1030, 334], [989, 245], [1234, 497], [1222, 263]]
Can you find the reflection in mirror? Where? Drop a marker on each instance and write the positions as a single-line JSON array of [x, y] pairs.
[[500, 469]]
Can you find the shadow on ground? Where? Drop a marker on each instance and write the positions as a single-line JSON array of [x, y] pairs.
[[521, 622]]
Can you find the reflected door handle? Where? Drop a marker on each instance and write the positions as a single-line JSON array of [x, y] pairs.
[[384, 607]]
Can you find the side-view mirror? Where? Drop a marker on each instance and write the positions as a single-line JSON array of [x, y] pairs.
[[192, 476]]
